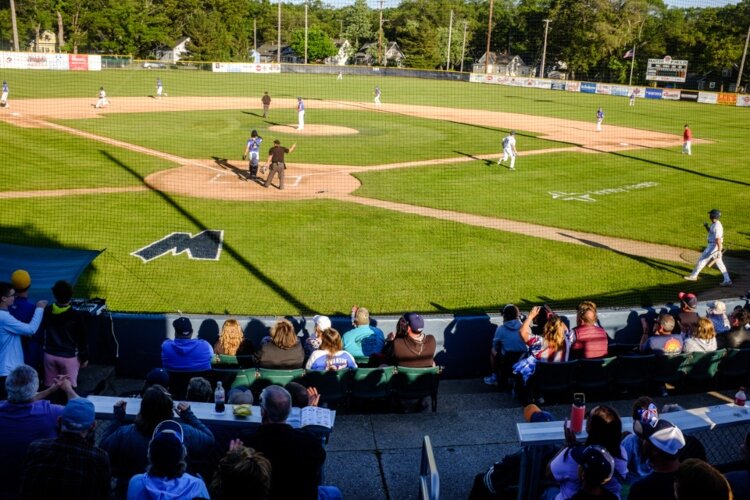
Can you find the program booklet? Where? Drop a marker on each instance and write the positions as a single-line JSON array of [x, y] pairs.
[[312, 415]]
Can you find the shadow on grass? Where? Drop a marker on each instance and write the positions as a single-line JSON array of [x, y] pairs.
[[251, 268], [486, 161]]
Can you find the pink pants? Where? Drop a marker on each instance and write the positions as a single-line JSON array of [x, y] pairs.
[[56, 365]]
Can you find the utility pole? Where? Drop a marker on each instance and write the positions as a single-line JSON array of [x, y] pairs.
[[278, 35], [632, 59], [450, 34], [255, 34], [544, 50], [380, 36], [14, 23], [463, 48], [489, 36], [305, 32], [742, 64]]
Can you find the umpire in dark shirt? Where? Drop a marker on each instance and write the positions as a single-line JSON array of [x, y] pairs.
[[276, 160]]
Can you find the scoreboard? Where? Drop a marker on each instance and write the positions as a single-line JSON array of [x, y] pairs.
[[666, 70]]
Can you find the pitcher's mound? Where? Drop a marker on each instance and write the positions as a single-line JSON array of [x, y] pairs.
[[314, 130]]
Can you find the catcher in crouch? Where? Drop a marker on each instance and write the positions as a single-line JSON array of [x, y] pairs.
[[253, 149]]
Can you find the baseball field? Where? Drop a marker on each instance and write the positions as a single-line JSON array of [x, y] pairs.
[[396, 207]]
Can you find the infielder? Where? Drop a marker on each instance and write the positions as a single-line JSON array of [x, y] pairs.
[[714, 249], [266, 102], [341, 76], [509, 150], [687, 141], [632, 98], [253, 149], [300, 114], [159, 87], [102, 99], [599, 119], [4, 96], [377, 95]]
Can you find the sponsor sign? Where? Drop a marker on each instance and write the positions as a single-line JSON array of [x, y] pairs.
[[543, 84], [603, 88], [671, 94], [245, 68], [620, 90], [708, 97], [588, 88], [60, 62], [743, 100], [639, 92], [689, 95], [573, 86], [558, 86], [78, 62], [653, 93], [729, 99]]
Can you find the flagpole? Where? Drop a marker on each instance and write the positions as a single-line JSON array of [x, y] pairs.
[[632, 63]]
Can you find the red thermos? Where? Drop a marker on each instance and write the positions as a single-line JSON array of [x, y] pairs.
[[577, 412]]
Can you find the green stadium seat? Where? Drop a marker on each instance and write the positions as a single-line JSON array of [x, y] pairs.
[[417, 383], [268, 376], [594, 374], [332, 385], [553, 379], [634, 372], [702, 367], [371, 383], [245, 378], [735, 366], [667, 368]]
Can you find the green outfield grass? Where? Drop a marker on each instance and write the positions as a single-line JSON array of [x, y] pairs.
[[304, 256]]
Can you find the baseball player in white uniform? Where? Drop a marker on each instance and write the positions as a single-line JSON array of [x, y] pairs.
[[714, 249], [509, 150], [377, 95], [159, 87], [300, 114], [102, 99], [4, 96], [599, 119]]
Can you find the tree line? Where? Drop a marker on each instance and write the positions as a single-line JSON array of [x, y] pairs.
[[590, 37]]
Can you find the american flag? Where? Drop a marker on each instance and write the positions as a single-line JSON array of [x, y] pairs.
[[629, 54]]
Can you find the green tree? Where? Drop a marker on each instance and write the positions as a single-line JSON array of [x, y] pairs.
[[319, 44], [358, 23]]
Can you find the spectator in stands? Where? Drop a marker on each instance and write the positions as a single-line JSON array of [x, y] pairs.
[[687, 317], [302, 396], [507, 345], [660, 446], [739, 336], [68, 466], [166, 476], [703, 339], [717, 313], [243, 472], [232, 341], [604, 428], [663, 341], [331, 355], [697, 480], [127, 444], [363, 340], [185, 353], [282, 350], [645, 415], [240, 396], [410, 346], [296, 456], [25, 417], [66, 344], [157, 376], [312, 342], [23, 310], [739, 480], [595, 469], [11, 330], [553, 345], [199, 391], [589, 339]]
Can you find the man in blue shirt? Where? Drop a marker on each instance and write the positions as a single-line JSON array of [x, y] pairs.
[[23, 311], [185, 353], [363, 340]]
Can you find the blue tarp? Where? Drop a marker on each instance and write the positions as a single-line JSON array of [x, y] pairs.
[[45, 265]]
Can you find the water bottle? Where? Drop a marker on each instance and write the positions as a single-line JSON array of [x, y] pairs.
[[740, 397], [219, 398], [577, 411]]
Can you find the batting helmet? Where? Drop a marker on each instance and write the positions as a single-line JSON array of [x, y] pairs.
[[715, 214]]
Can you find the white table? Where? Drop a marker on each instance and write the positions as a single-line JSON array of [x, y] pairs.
[[533, 436]]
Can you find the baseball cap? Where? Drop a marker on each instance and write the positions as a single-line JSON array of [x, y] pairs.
[[158, 376], [20, 279], [166, 447], [532, 413], [183, 327], [78, 414], [646, 419], [715, 213], [689, 299], [595, 461], [322, 322], [416, 323], [717, 307], [666, 436]]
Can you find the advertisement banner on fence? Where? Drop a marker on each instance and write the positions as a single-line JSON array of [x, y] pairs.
[[95, 62], [516, 82], [78, 62], [543, 84], [558, 85], [620, 90], [743, 100], [729, 99], [708, 97], [245, 68], [603, 88], [573, 86], [671, 94], [639, 92], [653, 93], [588, 88], [689, 95]]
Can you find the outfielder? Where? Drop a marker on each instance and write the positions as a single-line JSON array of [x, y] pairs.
[[253, 149], [4, 96], [159, 87], [377, 95], [632, 97], [300, 114], [687, 141], [599, 119], [509, 150], [102, 99], [714, 250]]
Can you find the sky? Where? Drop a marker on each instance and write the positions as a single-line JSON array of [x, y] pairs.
[[394, 3]]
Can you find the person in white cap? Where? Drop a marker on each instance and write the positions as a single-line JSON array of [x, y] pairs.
[[714, 251], [660, 447], [300, 114], [509, 150]]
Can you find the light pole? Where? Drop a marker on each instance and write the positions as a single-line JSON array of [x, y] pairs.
[[742, 64], [544, 49], [278, 35], [489, 36], [14, 24], [380, 36], [463, 48], [450, 34], [305, 32]]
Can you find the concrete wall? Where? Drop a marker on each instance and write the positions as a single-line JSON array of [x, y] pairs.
[[462, 341]]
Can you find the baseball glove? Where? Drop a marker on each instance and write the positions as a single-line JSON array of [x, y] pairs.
[[244, 157]]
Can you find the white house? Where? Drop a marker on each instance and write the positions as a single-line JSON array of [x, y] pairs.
[[175, 53], [503, 64], [367, 54], [342, 56], [45, 42]]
